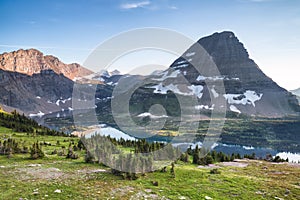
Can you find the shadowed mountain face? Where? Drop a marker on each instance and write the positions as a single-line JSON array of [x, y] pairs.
[[39, 93]]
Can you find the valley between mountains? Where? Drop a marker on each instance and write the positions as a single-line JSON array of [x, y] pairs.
[[258, 112]]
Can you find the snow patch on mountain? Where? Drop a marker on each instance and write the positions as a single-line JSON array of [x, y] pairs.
[[181, 62], [194, 89], [215, 78], [234, 109], [197, 90], [181, 66], [39, 114], [112, 83], [189, 54], [248, 97], [174, 74], [200, 78], [147, 114], [62, 101], [207, 107], [214, 92]]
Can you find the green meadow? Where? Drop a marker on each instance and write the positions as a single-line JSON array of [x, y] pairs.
[[56, 177]]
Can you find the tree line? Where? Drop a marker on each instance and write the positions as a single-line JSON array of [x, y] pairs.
[[139, 160], [20, 123]]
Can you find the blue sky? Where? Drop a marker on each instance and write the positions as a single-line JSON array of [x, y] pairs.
[[71, 29]]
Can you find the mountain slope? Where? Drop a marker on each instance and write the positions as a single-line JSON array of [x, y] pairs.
[[32, 61], [42, 92], [247, 89]]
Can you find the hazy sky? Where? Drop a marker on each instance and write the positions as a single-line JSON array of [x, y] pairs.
[[70, 29]]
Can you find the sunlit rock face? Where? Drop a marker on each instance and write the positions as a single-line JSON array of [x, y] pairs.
[[32, 61]]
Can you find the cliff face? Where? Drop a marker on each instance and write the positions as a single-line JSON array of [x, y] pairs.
[[32, 61]]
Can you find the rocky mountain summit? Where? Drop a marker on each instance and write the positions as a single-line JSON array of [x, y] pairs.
[[32, 61]]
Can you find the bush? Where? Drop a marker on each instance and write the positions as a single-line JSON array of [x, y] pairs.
[[184, 157], [155, 183], [215, 171], [54, 152], [89, 158], [278, 159], [71, 154], [61, 153], [36, 151], [130, 176]]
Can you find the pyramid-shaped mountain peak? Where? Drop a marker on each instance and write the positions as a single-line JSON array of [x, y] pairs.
[[224, 47]]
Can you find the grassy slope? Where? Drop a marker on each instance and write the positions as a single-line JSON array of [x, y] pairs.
[[78, 180]]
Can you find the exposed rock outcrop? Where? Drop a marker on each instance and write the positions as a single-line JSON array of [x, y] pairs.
[[32, 61]]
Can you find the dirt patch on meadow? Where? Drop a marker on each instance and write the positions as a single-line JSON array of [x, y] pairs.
[[37, 171], [122, 191], [40, 173], [147, 195], [91, 171], [296, 165], [210, 166], [234, 164]]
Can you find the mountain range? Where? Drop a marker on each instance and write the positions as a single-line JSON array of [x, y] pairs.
[[38, 84]]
